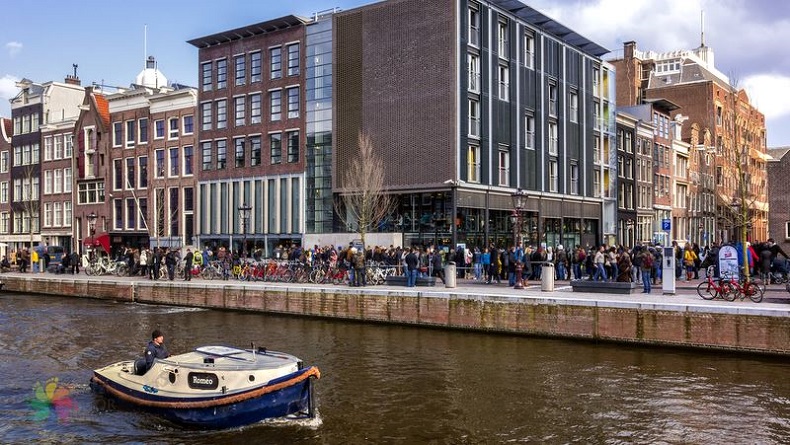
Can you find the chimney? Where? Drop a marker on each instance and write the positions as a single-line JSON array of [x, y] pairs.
[[629, 48], [73, 80]]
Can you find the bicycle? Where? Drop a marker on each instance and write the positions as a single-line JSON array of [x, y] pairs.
[[710, 289], [748, 288]]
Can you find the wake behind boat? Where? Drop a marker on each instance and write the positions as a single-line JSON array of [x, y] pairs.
[[214, 386]]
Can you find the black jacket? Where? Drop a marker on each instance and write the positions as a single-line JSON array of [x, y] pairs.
[[153, 351]]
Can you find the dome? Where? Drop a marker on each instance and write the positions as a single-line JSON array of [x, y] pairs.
[[151, 77]]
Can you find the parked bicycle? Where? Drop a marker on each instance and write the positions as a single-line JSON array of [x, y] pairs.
[[711, 288]]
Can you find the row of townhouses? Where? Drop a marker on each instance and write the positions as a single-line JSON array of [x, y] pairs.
[[465, 103]]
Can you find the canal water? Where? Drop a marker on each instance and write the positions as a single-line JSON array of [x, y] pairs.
[[389, 384]]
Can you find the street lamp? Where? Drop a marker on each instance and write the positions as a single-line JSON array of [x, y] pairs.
[[244, 215], [92, 217], [519, 202]]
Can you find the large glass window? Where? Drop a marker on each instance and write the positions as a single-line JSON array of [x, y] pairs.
[[293, 146], [173, 133], [276, 102], [241, 69], [205, 113], [159, 127], [473, 163], [255, 108], [189, 126], [188, 160], [160, 163], [255, 67], [142, 125], [276, 62], [142, 163], [474, 72], [255, 150], [131, 179], [474, 118], [239, 108], [293, 102], [504, 166], [238, 148], [474, 26], [207, 160], [117, 135], [222, 154], [293, 59], [222, 113], [504, 82], [130, 133], [529, 50], [205, 76], [174, 168], [275, 143], [222, 74]]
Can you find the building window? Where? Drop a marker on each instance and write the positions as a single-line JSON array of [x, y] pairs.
[[553, 139], [239, 108], [117, 136], [529, 132], [474, 26], [276, 62], [474, 72], [238, 149], [553, 178], [275, 144], [597, 183], [552, 100], [502, 40], [504, 82], [130, 178], [222, 113], [4, 161], [188, 160], [222, 74], [48, 214], [293, 59], [58, 186], [504, 166], [69, 146], [205, 76], [293, 102], [293, 146], [174, 168], [142, 126], [241, 69], [255, 150], [573, 106], [574, 179], [207, 156], [48, 182], [4, 192], [255, 108], [131, 214], [160, 163], [173, 133], [255, 67], [67, 178], [222, 154], [474, 118], [159, 128], [205, 113], [275, 99], [189, 126], [142, 164], [91, 192], [596, 150], [529, 51], [473, 163], [130, 134], [596, 78]]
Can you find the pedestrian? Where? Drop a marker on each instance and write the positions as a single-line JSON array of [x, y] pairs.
[[188, 265], [646, 260], [75, 263], [411, 268], [170, 263], [689, 257], [600, 260], [358, 260], [436, 263]]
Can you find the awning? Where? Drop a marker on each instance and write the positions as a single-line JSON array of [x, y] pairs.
[[99, 240]]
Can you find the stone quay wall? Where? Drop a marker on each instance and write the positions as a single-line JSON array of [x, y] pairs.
[[678, 325]]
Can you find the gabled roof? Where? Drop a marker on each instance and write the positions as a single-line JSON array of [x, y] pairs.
[[286, 22], [103, 109], [8, 127], [537, 18], [777, 153]]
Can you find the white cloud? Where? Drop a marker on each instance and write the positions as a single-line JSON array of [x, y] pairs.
[[8, 90], [769, 93], [13, 48]]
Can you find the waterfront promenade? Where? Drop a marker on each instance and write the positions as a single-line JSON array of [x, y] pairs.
[[683, 319]]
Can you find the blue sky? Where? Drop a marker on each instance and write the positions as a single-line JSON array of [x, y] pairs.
[[105, 38]]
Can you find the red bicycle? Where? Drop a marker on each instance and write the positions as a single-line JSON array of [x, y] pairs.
[[710, 289]]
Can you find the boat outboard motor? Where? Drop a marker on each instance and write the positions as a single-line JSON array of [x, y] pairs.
[[139, 366]]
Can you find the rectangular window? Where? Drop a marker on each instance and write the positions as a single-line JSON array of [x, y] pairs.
[[67, 213], [175, 170], [159, 128], [574, 179], [67, 178], [275, 144], [117, 170], [222, 113], [239, 109], [293, 102], [4, 192], [238, 148], [189, 126], [255, 108], [117, 134], [130, 178], [474, 118], [504, 83], [473, 163], [36, 151], [142, 126], [529, 132], [553, 139], [529, 51], [504, 167], [188, 160], [131, 214], [474, 27], [573, 106], [142, 211], [58, 181], [553, 178], [48, 148], [205, 76], [255, 150], [90, 192], [130, 133], [276, 62], [293, 59], [160, 163], [474, 72], [275, 99], [205, 113], [69, 146], [293, 146], [222, 74], [4, 161], [207, 160], [552, 100], [222, 154], [241, 69], [48, 214], [48, 182], [255, 67], [142, 163], [173, 124], [502, 40]]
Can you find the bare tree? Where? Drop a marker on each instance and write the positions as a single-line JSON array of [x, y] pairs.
[[364, 202]]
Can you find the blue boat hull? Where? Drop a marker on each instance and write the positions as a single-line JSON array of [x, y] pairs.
[[293, 399]]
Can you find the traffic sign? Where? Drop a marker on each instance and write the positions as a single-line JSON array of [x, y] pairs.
[[665, 224]]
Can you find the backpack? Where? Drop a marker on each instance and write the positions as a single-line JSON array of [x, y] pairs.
[[647, 261]]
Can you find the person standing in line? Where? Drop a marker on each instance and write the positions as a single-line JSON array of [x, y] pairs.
[[411, 268], [170, 263], [188, 265], [436, 264], [646, 265]]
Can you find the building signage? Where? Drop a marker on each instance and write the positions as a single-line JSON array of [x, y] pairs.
[[728, 262], [665, 224]]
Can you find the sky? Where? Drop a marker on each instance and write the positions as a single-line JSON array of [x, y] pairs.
[[107, 39]]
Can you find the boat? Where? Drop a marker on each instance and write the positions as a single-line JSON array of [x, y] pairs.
[[213, 387]]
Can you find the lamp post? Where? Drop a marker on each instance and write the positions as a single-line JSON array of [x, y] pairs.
[[92, 217], [519, 201], [244, 215]]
